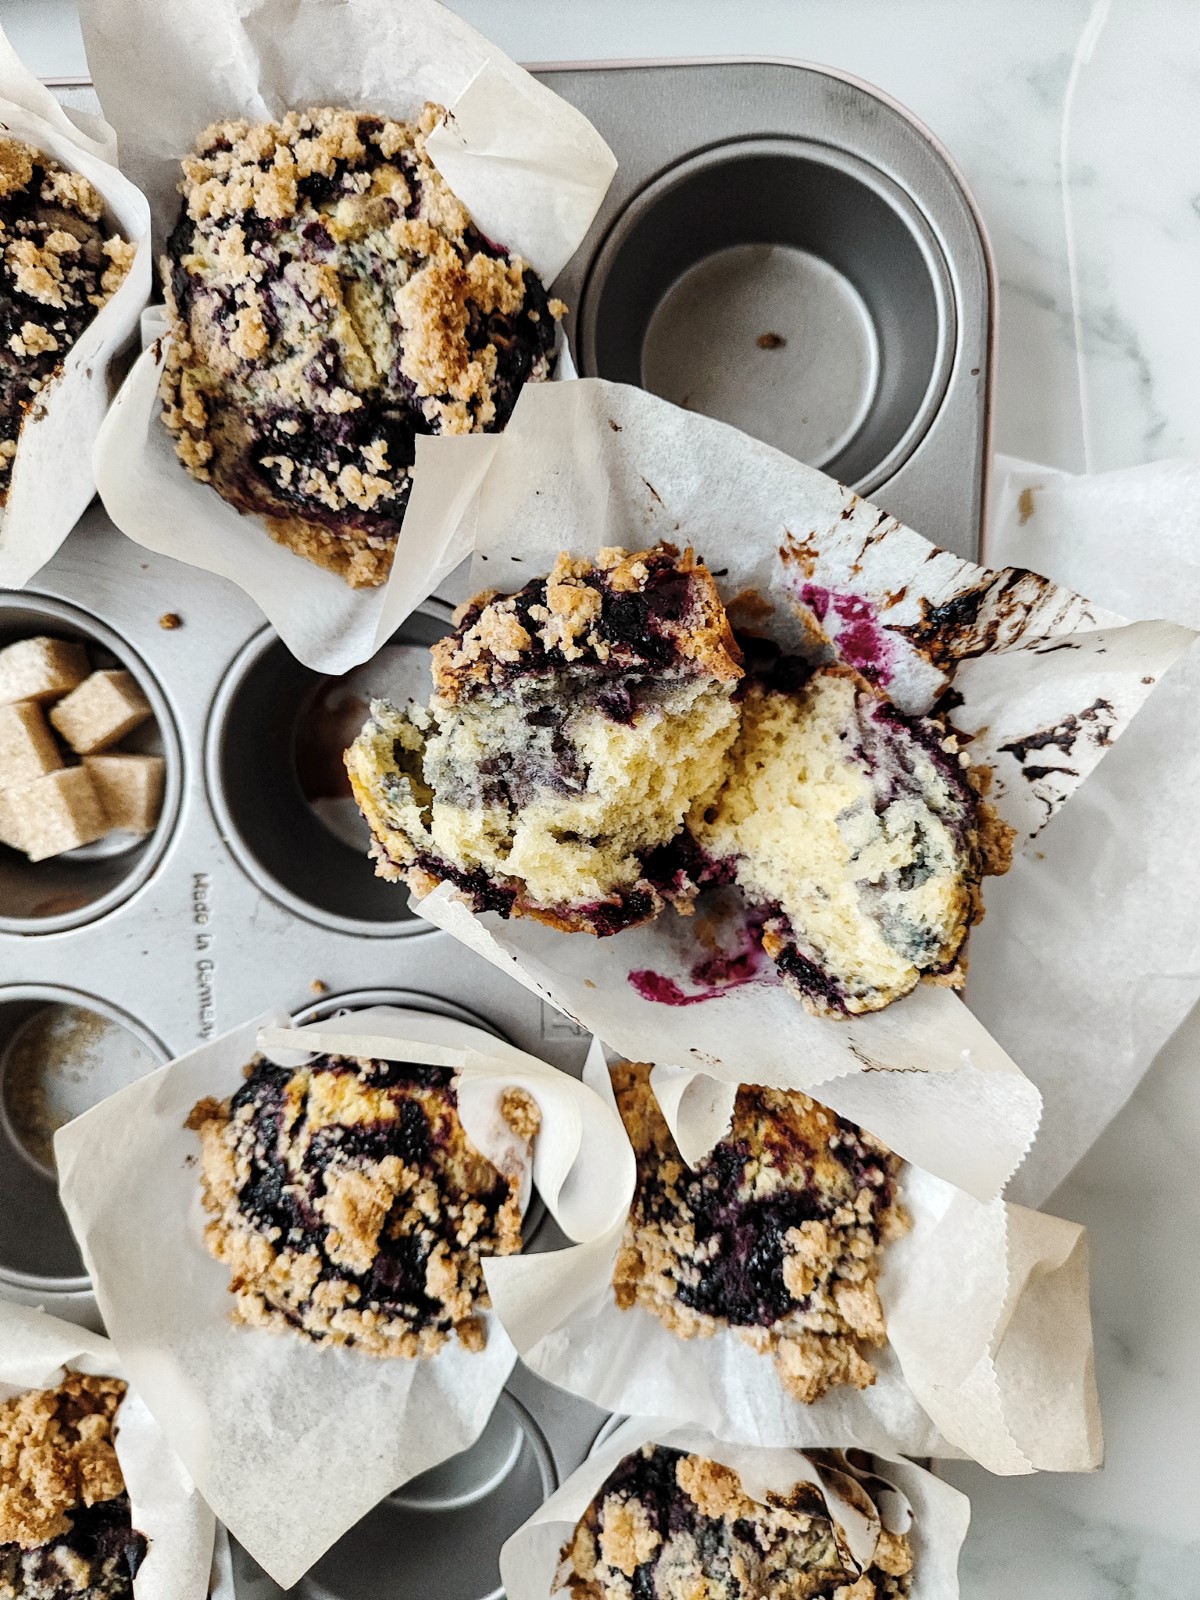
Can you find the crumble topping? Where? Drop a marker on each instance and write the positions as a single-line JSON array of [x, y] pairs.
[[331, 299], [778, 1232], [57, 269], [65, 1526], [351, 1207], [667, 1525], [573, 726]]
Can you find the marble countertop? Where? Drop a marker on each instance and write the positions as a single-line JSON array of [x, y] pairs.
[[1077, 126]]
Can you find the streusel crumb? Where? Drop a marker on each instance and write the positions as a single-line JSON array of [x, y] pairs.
[[350, 1206], [57, 268], [666, 1525], [331, 300], [778, 1232]]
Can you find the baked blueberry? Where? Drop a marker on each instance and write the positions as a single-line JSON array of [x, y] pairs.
[[573, 725], [65, 1529], [59, 264], [350, 1206], [331, 300], [670, 1525], [859, 831], [778, 1232]]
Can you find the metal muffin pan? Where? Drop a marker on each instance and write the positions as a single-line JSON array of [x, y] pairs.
[[752, 198]]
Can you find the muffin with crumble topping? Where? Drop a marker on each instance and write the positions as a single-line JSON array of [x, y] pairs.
[[574, 725], [65, 1527], [668, 1524], [330, 300], [859, 833], [351, 1207], [778, 1232], [59, 264]]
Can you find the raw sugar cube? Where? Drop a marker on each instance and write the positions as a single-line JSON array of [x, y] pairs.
[[130, 788], [9, 833], [41, 669], [58, 812], [103, 709], [27, 747]]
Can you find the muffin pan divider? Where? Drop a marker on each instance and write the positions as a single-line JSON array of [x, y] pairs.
[[209, 939]]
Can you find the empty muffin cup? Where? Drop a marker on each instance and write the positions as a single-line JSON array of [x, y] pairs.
[[64, 891], [784, 286], [440, 1534], [61, 1052], [278, 786]]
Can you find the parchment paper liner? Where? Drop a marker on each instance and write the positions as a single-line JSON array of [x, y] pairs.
[[290, 1443], [989, 1328], [51, 480], [1096, 931], [35, 1352], [589, 464], [530, 168], [905, 1496]]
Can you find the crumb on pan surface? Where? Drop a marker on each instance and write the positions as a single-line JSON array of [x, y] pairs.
[[58, 265], [778, 1232], [331, 300], [350, 1206], [65, 1525], [572, 727], [861, 832], [671, 1525]]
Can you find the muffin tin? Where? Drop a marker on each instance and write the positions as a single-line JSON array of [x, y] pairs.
[[746, 192]]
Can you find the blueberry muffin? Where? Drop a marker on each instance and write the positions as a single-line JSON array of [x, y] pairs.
[[350, 1206], [65, 1529], [670, 1525], [573, 726], [58, 265], [860, 833], [778, 1232], [331, 300]]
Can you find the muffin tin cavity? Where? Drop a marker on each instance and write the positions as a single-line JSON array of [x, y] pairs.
[[278, 786], [61, 1052], [65, 891], [786, 287], [440, 1534]]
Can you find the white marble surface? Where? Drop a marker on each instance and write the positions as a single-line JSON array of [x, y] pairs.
[[1096, 379]]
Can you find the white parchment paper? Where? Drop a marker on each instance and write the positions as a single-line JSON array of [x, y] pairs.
[[291, 1443], [36, 1351], [51, 480], [1089, 958], [906, 1498], [961, 1375], [588, 464], [530, 168]]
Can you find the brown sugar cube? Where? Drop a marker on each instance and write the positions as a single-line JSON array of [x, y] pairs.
[[27, 747], [103, 709], [9, 833], [41, 669], [58, 812], [130, 789]]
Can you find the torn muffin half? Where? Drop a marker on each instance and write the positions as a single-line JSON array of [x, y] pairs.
[[351, 1207], [669, 1524], [779, 1232], [59, 264], [65, 1524], [862, 834], [573, 727], [331, 300]]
